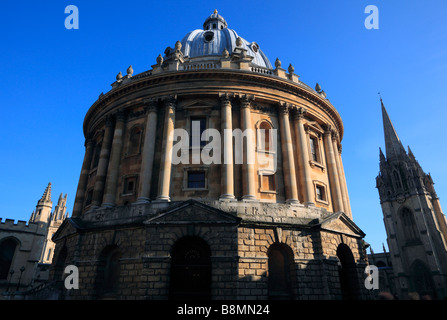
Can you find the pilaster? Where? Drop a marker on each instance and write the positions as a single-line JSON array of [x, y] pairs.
[[337, 202], [287, 152], [164, 182], [248, 167], [83, 179], [341, 178], [113, 169], [147, 161], [101, 172], [303, 155], [227, 181]]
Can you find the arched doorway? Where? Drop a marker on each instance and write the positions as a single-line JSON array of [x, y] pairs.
[[108, 273], [190, 269], [7, 250], [421, 280], [60, 265], [279, 276], [347, 273]]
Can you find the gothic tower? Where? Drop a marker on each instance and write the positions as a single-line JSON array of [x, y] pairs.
[[43, 208], [415, 225], [48, 222], [55, 220]]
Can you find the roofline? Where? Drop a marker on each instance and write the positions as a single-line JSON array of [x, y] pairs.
[[146, 79]]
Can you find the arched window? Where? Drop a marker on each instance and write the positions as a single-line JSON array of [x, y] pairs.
[[349, 283], [409, 226], [7, 250], [95, 160], [279, 279], [135, 138], [397, 180], [264, 136], [108, 274], [266, 148], [190, 269], [197, 127], [313, 143]]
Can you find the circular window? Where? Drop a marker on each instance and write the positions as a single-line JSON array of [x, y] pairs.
[[254, 47], [209, 36]]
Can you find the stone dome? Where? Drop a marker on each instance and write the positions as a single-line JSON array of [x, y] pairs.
[[215, 38]]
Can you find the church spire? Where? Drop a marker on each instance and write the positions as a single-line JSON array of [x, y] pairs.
[[393, 145], [47, 193], [382, 156], [43, 207]]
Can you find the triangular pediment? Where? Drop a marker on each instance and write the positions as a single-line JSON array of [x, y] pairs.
[[193, 212], [314, 126], [68, 227], [197, 103], [341, 223]]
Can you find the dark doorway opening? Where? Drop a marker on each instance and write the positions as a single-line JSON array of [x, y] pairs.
[[190, 270], [422, 280], [348, 273], [280, 268], [7, 250]]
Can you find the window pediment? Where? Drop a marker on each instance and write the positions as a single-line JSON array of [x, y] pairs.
[[193, 211]]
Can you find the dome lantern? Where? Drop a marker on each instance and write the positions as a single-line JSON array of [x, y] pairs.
[[215, 37], [215, 21]]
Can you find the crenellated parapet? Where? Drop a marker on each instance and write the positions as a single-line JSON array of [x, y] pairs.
[[19, 226]]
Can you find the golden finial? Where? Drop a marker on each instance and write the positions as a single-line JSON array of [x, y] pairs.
[[215, 11]]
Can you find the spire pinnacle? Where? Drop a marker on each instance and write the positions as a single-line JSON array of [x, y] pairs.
[[47, 193], [410, 153], [381, 155], [393, 145]]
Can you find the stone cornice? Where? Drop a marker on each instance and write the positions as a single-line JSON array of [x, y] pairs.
[[248, 77]]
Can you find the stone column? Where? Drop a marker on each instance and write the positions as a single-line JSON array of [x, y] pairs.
[[337, 202], [288, 161], [303, 156], [101, 171], [340, 174], [164, 181], [248, 167], [147, 160], [227, 180], [114, 163], [83, 179]]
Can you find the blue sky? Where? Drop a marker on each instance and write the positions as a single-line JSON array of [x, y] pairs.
[[51, 76]]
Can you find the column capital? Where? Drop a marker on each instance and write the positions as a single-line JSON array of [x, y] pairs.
[[299, 113], [334, 135], [330, 131], [108, 119], [88, 142], [170, 102], [327, 129], [150, 105], [121, 115], [284, 108], [246, 100], [226, 97]]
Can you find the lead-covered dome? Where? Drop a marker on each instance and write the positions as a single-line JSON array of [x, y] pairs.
[[215, 38]]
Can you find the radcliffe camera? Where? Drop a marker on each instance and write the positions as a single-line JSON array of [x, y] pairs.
[[223, 159]]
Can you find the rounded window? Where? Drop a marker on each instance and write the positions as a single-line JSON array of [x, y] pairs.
[[208, 36], [255, 47]]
